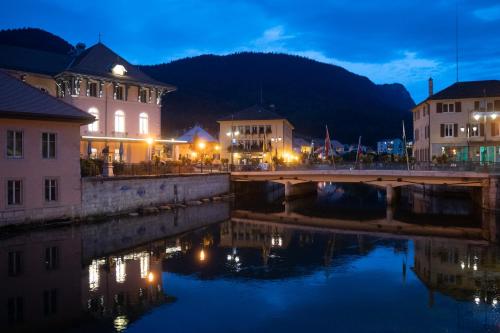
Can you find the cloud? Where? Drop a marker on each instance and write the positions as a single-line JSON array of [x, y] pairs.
[[488, 13], [274, 36]]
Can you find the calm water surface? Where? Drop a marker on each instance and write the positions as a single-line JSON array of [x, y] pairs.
[[199, 270]]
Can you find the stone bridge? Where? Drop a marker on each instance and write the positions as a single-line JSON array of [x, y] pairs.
[[390, 179]]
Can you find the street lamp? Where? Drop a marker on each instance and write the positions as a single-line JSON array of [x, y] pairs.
[[201, 146]]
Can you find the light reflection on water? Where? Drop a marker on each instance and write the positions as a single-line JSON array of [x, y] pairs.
[[247, 276]]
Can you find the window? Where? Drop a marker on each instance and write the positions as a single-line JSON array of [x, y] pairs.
[[119, 121], [449, 107], [92, 89], [15, 310], [15, 263], [143, 95], [268, 129], [50, 302], [14, 192], [476, 130], [119, 93], [49, 145], [448, 130], [14, 144], [143, 123], [51, 257], [94, 127], [495, 128], [50, 190]]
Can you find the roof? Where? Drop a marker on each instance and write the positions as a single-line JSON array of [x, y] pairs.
[[31, 60], [98, 60], [95, 61], [20, 100], [196, 133], [256, 112], [470, 89]]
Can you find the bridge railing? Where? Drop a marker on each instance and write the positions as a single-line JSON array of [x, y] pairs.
[[484, 167]]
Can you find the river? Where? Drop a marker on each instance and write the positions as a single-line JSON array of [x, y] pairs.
[[341, 261]]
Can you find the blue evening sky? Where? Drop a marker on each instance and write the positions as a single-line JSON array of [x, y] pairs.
[[387, 41]]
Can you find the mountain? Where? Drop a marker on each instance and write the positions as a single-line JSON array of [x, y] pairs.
[[309, 93], [34, 38]]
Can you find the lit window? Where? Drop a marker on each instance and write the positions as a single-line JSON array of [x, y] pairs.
[[119, 121], [144, 265], [94, 127], [94, 275], [48, 145], [120, 270], [143, 123]]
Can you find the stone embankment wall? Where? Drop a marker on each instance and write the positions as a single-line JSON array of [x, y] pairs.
[[115, 195]]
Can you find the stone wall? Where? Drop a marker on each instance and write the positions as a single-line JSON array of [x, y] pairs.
[[114, 195]]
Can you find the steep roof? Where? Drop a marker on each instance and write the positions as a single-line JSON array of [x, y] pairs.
[[470, 89], [98, 61], [19, 100], [31, 60], [256, 112], [196, 132]]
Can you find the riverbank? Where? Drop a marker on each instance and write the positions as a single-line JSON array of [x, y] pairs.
[[111, 196]]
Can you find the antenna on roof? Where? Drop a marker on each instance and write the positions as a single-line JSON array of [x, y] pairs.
[[456, 37]]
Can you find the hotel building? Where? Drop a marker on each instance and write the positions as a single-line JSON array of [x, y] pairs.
[[461, 121], [125, 102], [255, 134]]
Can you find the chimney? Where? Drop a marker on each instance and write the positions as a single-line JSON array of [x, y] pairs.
[[431, 87]]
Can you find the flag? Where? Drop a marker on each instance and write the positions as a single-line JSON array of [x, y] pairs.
[[328, 143]]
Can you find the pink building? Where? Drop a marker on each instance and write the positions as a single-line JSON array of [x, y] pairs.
[[39, 154], [125, 102]]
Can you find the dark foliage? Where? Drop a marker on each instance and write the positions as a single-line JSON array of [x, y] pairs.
[[309, 93], [34, 38]]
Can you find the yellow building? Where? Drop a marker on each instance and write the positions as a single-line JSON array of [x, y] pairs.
[[255, 135], [198, 145]]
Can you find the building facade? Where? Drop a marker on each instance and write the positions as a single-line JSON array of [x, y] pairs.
[[199, 145], [391, 146], [255, 135], [39, 159], [461, 122], [125, 102]]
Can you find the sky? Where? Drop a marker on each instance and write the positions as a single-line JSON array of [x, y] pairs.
[[386, 40]]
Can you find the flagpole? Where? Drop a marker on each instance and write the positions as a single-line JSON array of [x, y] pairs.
[[406, 150], [357, 152]]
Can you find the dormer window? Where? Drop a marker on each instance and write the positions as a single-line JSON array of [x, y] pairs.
[[119, 95], [143, 96], [118, 70]]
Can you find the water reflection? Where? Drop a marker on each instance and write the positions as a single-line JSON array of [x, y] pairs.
[[210, 269]]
